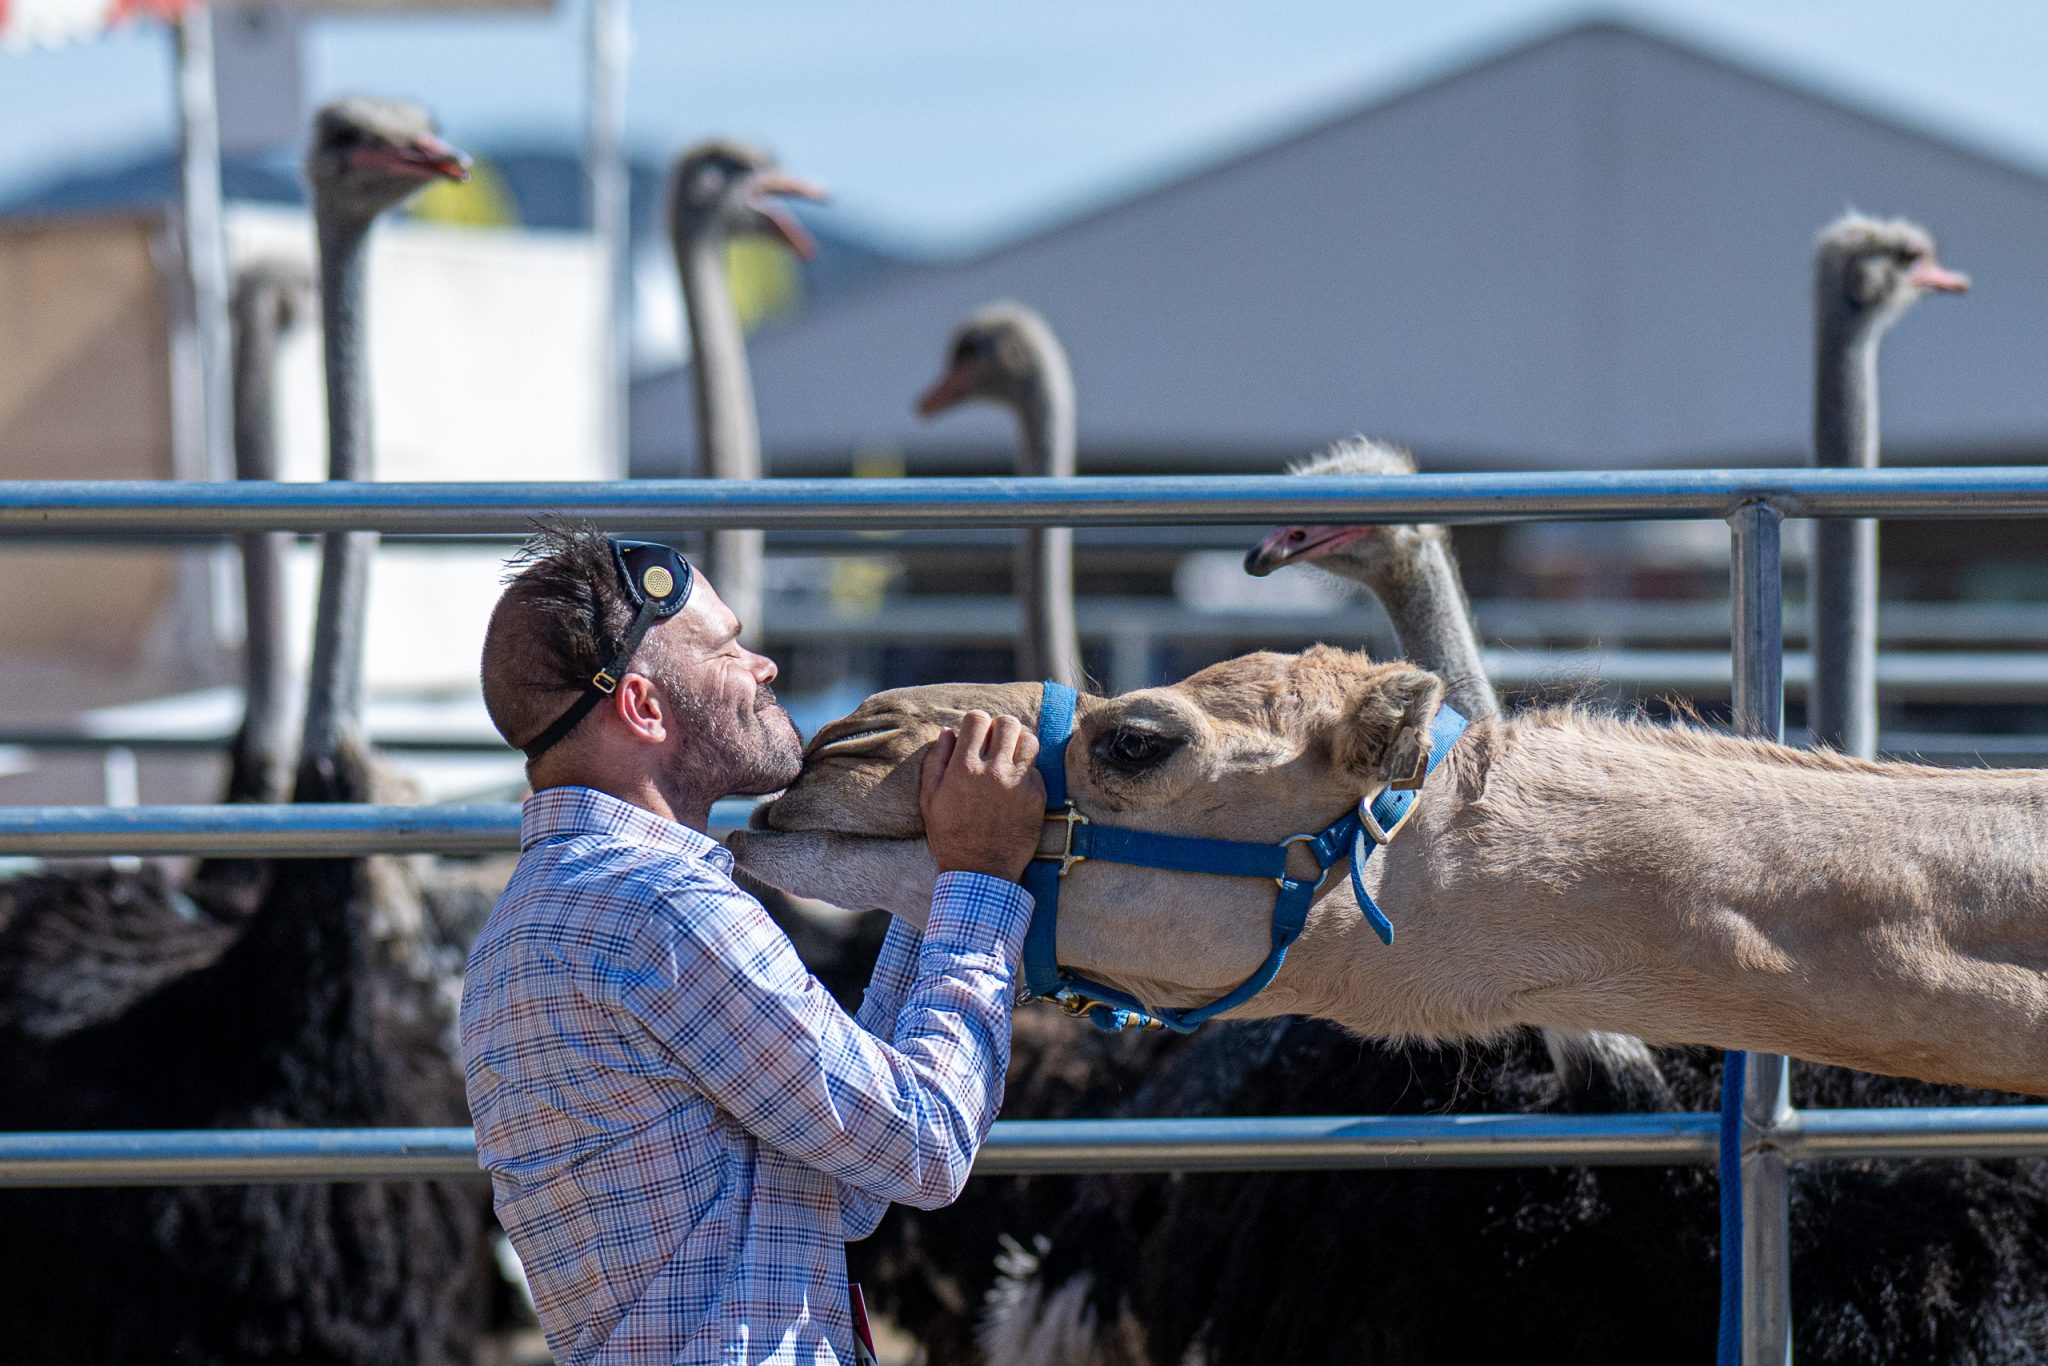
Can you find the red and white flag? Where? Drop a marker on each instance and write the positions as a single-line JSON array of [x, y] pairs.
[[46, 23]]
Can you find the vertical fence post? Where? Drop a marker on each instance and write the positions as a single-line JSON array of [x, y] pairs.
[[205, 243], [1759, 643], [608, 176]]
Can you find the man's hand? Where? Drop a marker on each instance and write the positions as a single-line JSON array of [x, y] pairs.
[[983, 801]]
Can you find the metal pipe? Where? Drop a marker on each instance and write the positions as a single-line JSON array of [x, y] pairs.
[[54, 738], [1028, 1147], [1757, 594], [290, 830], [607, 41], [205, 240], [255, 830], [163, 509]]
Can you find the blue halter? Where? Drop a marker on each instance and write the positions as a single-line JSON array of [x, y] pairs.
[[1358, 832]]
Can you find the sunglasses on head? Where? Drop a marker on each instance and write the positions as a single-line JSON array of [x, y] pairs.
[[657, 580]]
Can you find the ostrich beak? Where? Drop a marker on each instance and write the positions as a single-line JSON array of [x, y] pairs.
[[1933, 275], [953, 386], [763, 187], [1291, 544], [425, 157]]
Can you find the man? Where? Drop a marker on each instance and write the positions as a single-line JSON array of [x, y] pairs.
[[682, 1128]]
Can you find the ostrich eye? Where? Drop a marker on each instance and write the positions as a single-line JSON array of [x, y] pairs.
[[1131, 749], [970, 349]]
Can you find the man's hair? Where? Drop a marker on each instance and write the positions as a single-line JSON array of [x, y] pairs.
[[562, 617]]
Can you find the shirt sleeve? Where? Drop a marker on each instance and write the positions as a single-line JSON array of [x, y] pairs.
[[895, 969], [718, 989]]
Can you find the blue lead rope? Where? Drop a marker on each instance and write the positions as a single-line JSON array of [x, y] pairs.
[[1734, 1068], [1357, 833]]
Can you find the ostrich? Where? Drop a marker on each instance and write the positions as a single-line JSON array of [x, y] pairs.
[[78, 945], [718, 187], [326, 1009], [1007, 354], [1867, 272], [270, 299], [1893, 1262]]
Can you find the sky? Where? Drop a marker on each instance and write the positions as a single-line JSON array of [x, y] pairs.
[[946, 127]]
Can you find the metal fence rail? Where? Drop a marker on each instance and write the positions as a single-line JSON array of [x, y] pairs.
[[1754, 502], [101, 508], [1044, 1147]]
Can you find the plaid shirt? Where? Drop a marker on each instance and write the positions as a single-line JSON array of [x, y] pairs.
[[682, 1128]]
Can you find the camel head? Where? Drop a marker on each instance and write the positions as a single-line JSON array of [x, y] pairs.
[[1378, 556], [1257, 748], [726, 186]]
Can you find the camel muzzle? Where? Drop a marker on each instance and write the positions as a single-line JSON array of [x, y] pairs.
[[1378, 816]]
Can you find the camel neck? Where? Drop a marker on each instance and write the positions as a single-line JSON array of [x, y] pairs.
[[260, 765], [1691, 887], [335, 686], [1425, 602]]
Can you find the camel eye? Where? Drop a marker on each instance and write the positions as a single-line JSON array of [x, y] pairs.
[[1130, 749]]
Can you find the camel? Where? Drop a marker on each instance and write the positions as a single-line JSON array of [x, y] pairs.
[[1894, 1262], [1560, 869]]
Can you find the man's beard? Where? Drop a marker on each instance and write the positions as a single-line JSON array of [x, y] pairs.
[[728, 753]]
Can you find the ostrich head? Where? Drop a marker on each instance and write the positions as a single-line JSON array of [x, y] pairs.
[[727, 186], [998, 354], [367, 155], [1369, 554], [1870, 270]]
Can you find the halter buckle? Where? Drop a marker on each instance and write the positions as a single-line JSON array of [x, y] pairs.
[[1291, 840], [1066, 857], [603, 681], [1374, 831]]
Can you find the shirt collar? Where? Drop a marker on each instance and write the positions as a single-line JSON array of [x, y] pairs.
[[557, 811]]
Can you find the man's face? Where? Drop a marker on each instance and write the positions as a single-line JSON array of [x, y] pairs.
[[732, 737]]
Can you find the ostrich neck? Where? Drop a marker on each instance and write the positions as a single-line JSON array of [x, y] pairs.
[[728, 440], [261, 759], [335, 688], [1425, 601], [1841, 711], [1845, 394], [727, 437], [345, 343], [1044, 573], [1889, 918]]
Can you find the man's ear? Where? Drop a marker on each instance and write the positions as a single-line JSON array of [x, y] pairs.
[[1384, 737], [642, 707]]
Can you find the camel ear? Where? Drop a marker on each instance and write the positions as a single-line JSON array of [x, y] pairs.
[[1385, 737]]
